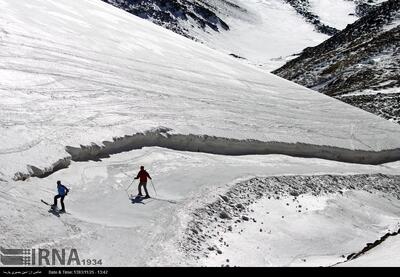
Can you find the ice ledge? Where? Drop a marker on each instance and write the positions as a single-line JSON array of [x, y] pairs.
[[162, 137]]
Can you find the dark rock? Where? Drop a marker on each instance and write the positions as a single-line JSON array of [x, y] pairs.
[[303, 8], [224, 215], [344, 63], [195, 231], [169, 13], [226, 199]]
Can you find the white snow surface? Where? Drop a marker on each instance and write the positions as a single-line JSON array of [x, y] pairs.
[[81, 71], [334, 13], [327, 228], [269, 36], [78, 72], [104, 224]]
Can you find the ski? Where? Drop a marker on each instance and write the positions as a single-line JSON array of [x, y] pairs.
[[45, 202], [54, 210], [141, 198]]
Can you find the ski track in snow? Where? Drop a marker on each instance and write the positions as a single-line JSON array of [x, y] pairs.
[[71, 80], [103, 223], [64, 84]]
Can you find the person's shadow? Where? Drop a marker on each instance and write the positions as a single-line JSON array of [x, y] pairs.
[[54, 212], [137, 200]]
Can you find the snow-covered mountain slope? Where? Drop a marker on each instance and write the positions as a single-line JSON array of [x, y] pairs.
[[81, 80], [327, 16], [173, 14], [331, 16], [83, 72], [266, 32], [313, 220], [104, 224], [360, 65]]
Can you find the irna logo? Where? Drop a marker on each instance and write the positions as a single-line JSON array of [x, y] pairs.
[[39, 257]]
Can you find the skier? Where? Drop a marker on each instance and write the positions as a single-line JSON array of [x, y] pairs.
[[143, 175], [62, 192]]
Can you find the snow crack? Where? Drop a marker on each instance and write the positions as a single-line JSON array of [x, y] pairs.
[[162, 137]]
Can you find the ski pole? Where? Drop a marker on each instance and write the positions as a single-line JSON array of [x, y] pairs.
[[153, 186], [130, 185], [129, 177]]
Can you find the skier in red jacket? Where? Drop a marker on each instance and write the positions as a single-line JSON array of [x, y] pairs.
[[142, 176]]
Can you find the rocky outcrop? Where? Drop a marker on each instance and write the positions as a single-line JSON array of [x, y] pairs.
[[303, 8], [171, 13], [207, 223], [364, 56]]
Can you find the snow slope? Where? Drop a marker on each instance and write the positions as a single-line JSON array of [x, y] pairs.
[[362, 58], [268, 36], [104, 224], [79, 72], [334, 13], [264, 32], [306, 230]]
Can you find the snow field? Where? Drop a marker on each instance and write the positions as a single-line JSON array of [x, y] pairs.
[[104, 224]]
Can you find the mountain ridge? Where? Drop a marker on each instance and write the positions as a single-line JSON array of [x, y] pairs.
[[357, 63]]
